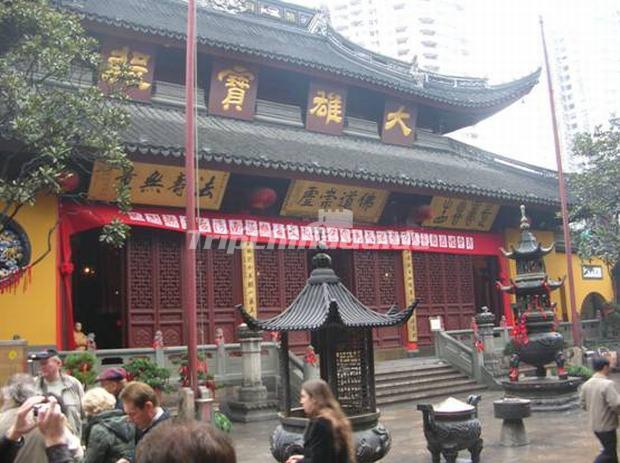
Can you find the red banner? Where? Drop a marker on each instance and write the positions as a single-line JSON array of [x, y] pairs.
[[291, 233]]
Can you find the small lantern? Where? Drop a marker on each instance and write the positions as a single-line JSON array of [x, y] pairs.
[[263, 198], [69, 180]]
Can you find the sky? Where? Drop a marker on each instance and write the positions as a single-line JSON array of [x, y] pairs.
[[506, 44]]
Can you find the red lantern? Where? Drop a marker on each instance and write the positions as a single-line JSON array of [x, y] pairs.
[[263, 198], [69, 180], [423, 213]]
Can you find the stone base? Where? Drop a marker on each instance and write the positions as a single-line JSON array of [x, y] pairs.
[[248, 412], [371, 438], [549, 394], [513, 434]]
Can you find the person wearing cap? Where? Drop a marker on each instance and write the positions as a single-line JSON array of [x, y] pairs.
[[52, 380], [114, 380]]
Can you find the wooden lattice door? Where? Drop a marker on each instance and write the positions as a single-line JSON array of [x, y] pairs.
[[444, 284], [155, 290], [281, 275], [378, 284]]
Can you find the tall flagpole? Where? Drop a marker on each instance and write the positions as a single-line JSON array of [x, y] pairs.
[[191, 233], [576, 326]]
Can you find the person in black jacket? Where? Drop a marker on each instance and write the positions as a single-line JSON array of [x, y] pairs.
[[328, 437]]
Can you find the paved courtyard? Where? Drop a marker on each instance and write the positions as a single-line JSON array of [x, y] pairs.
[[555, 437]]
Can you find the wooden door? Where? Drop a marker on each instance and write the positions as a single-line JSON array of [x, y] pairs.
[[378, 284], [155, 290], [444, 284], [281, 274]]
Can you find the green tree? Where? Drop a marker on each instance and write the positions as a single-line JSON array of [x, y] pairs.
[[51, 121], [596, 194]]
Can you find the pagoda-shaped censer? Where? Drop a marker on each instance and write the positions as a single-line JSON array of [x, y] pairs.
[[341, 328], [535, 340]]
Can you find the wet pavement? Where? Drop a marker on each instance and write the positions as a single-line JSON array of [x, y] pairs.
[[555, 437]]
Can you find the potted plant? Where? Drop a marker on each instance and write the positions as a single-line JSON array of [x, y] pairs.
[[81, 366], [147, 371], [204, 377]]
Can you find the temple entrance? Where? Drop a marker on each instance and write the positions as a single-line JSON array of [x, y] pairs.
[[98, 289], [125, 296], [444, 284], [486, 273]]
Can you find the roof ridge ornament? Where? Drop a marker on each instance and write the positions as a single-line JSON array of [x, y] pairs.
[[320, 21], [228, 6]]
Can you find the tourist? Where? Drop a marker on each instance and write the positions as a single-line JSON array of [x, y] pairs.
[[108, 436], [114, 380], [51, 425], [53, 380], [18, 389], [141, 405], [185, 442], [599, 397], [328, 437]]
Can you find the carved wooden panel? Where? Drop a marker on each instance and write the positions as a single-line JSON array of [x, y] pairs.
[[281, 275], [378, 283], [444, 284], [155, 290]]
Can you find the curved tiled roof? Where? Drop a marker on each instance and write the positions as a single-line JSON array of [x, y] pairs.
[[325, 298], [330, 53], [435, 162]]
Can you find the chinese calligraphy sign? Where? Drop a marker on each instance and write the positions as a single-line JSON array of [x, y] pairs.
[[305, 199], [461, 213], [159, 185], [398, 123], [326, 108], [233, 90], [138, 61]]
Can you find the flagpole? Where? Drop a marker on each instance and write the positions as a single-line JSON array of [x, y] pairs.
[[576, 325], [189, 254]]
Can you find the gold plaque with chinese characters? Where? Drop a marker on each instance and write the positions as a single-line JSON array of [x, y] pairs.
[[159, 185], [306, 198], [326, 108], [461, 213], [139, 59], [398, 123], [232, 92]]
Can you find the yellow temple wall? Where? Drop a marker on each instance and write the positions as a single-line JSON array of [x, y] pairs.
[[555, 263], [31, 313]]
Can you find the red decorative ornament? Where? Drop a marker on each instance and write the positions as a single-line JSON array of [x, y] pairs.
[[422, 213], [69, 180], [263, 198]]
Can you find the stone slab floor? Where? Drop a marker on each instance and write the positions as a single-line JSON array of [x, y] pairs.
[[561, 437]]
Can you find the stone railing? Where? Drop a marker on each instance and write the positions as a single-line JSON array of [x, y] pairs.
[[457, 348], [224, 362]]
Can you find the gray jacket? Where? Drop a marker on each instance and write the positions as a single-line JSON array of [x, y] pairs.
[[72, 394]]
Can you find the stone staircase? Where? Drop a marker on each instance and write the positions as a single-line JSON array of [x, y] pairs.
[[415, 380]]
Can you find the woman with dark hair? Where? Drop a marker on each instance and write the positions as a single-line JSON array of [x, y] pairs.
[[328, 437]]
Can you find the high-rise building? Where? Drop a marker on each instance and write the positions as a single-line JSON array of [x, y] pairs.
[[430, 32], [585, 54]]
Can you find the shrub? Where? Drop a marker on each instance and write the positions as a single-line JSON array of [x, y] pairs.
[[147, 371], [81, 366], [579, 370]]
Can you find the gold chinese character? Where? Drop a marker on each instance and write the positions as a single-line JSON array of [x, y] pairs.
[[237, 81], [398, 117], [328, 106], [116, 59], [139, 67]]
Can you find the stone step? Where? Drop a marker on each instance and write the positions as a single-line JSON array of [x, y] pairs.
[[426, 387], [435, 392], [413, 381], [418, 372]]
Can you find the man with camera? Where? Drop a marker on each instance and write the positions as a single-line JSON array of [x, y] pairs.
[[52, 380]]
